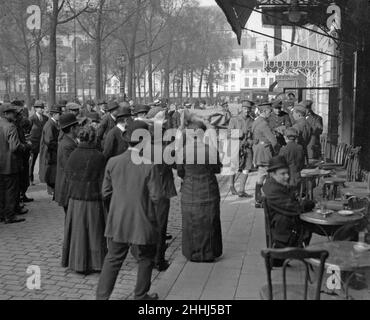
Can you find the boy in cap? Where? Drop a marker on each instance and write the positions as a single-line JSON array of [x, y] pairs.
[[294, 155]]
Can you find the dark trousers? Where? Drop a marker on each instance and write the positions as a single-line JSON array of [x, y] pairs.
[[116, 255], [163, 209], [33, 159], [9, 193]]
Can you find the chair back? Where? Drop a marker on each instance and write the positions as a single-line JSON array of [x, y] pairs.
[[289, 254], [267, 214]]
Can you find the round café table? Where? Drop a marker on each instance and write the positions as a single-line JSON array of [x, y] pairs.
[[308, 177], [357, 192], [329, 224], [343, 256]]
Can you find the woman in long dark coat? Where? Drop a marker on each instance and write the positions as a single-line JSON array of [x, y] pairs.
[[84, 246], [200, 199]]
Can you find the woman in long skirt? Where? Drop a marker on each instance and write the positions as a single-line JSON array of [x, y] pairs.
[[200, 199], [84, 246]]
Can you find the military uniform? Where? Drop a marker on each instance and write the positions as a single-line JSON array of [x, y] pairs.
[[314, 146], [304, 134], [282, 120]]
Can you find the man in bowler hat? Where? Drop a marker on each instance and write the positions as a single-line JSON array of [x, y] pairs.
[[108, 122]]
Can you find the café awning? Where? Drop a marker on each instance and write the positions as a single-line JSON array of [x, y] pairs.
[[237, 15]]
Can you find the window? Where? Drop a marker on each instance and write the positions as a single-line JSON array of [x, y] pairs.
[[233, 77], [226, 78], [263, 82], [246, 82], [226, 88], [232, 88], [247, 70], [226, 66], [255, 70], [271, 81], [233, 66], [254, 82]]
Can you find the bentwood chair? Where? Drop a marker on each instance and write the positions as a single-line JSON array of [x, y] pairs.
[[295, 291], [267, 223]]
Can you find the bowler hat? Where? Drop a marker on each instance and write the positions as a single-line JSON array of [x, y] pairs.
[[134, 125], [141, 109], [124, 112], [112, 105], [291, 132], [93, 116], [8, 107], [17, 103], [62, 103], [67, 120], [39, 104], [278, 162], [247, 103], [56, 109]]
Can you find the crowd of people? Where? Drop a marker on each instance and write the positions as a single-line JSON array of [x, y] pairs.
[[113, 204]]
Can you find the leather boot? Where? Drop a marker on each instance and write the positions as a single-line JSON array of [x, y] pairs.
[[258, 196], [232, 185], [242, 193]]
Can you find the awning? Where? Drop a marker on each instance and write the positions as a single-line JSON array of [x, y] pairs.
[[296, 58], [236, 15]]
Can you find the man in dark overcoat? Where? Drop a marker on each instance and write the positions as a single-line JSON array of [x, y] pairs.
[[69, 125], [10, 144], [108, 122], [134, 188], [316, 123], [38, 121], [49, 148], [114, 144]]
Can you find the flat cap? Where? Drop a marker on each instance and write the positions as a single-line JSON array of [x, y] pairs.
[[39, 104]]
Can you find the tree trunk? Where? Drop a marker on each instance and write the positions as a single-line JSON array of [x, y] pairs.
[[131, 58], [200, 83], [37, 89], [150, 77], [53, 53], [98, 62], [138, 80], [210, 82], [28, 79], [191, 82], [181, 83]]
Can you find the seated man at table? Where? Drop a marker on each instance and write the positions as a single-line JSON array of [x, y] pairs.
[[284, 208]]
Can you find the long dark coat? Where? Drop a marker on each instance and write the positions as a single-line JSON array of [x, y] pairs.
[[107, 124], [294, 155], [114, 144], [314, 147], [36, 131], [66, 146], [304, 133], [134, 189], [48, 153]]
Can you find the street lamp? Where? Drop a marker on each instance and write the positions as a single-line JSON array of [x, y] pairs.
[[121, 62]]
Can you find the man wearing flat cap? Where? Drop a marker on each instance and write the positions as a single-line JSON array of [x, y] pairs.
[[284, 208], [114, 144], [68, 123], [264, 147], [316, 123], [303, 127], [10, 145], [108, 122], [38, 121], [49, 148]]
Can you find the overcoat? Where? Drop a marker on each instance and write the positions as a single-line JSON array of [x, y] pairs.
[[106, 124], [48, 152], [134, 189], [294, 155], [36, 131], [65, 147], [114, 144], [264, 142], [314, 147], [304, 133]]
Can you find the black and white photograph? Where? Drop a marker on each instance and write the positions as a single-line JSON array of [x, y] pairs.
[[198, 152]]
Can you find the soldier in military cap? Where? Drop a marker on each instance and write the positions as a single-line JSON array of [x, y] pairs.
[[108, 123], [250, 105], [264, 147], [279, 121], [316, 123], [243, 123], [303, 127]]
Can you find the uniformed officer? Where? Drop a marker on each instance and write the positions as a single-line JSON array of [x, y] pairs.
[[279, 121], [264, 147], [303, 127], [243, 123], [316, 123]]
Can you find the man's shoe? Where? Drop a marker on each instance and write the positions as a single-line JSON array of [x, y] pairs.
[[162, 266], [25, 199], [10, 221], [258, 205], [168, 237], [22, 211], [244, 195], [233, 191], [152, 296]]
